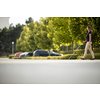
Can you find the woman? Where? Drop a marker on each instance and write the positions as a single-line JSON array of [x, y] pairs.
[[88, 44]]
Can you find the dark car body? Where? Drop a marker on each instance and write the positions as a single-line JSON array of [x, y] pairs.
[[26, 54], [40, 53], [45, 53], [29, 54], [52, 53]]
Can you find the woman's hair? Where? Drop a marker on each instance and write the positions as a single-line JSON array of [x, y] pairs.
[[89, 27]]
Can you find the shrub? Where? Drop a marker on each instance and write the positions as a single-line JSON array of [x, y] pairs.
[[97, 56], [88, 56], [96, 50], [66, 52], [74, 56], [79, 51], [49, 57], [18, 58], [10, 56]]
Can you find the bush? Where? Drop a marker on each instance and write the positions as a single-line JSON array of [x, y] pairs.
[[75, 56], [10, 56], [96, 50], [18, 58], [66, 52], [50, 57], [81, 51], [97, 56], [89, 56]]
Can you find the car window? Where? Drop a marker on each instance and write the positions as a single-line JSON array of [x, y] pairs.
[[30, 54], [51, 52], [41, 52]]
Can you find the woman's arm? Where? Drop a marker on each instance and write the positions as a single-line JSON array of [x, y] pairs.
[[89, 37]]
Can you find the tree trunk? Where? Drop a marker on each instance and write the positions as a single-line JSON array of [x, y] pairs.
[[72, 46]]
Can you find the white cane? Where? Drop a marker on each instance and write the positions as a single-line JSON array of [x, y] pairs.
[[74, 52]]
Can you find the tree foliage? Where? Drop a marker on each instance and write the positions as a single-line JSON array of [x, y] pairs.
[[7, 36]]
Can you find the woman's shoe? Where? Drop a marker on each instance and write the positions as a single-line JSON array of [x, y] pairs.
[[92, 59], [82, 58]]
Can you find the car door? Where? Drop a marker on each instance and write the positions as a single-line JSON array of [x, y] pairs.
[[52, 54]]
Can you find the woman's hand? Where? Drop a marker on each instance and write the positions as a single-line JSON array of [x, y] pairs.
[[89, 44], [83, 41]]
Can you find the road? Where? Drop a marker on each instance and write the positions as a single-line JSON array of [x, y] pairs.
[[23, 71]]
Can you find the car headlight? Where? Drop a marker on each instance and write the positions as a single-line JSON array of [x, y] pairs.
[[61, 54]]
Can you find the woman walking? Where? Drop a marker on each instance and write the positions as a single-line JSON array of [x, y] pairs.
[[88, 44]]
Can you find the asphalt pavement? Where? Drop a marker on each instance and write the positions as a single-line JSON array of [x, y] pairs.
[[28, 71]]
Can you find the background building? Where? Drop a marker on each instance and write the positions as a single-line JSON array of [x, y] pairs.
[[4, 22]]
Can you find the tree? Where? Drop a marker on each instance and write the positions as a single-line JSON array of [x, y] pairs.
[[61, 34], [34, 27], [26, 41], [95, 24], [30, 19], [22, 44], [4, 40], [41, 37], [74, 29]]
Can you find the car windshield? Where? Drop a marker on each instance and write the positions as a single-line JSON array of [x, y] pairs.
[[51, 51]]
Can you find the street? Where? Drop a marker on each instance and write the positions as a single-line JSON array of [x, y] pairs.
[[24, 71]]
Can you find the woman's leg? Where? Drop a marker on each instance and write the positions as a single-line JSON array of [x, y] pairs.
[[90, 49], [86, 48]]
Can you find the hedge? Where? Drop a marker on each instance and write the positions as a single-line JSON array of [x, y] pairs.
[[10, 56], [96, 50], [66, 52], [75, 56], [50, 57], [89, 56], [80, 51]]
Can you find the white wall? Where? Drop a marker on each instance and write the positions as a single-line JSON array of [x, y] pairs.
[[4, 22]]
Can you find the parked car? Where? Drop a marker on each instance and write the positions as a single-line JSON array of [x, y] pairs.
[[29, 54], [40, 53], [52, 53], [45, 53], [17, 54], [23, 54]]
